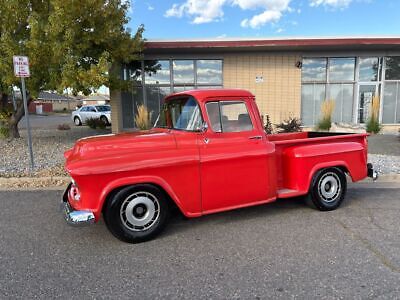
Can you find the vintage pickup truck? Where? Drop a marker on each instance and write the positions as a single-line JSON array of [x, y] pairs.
[[207, 153]]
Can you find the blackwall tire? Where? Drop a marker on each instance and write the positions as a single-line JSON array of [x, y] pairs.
[[77, 121], [137, 213], [104, 120], [328, 189]]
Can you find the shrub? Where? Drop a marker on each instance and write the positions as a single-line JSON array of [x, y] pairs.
[[142, 118], [327, 108], [4, 128], [4, 132], [291, 124], [268, 125], [63, 127], [373, 125], [95, 123]]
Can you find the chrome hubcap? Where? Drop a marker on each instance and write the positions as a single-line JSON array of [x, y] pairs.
[[329, 187], [140, 211]]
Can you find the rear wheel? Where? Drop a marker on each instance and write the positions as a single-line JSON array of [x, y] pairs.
[[77, 121], [327, 189], [137, 213]]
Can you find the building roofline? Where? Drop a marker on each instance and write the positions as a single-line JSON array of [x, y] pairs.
[[282, 42]]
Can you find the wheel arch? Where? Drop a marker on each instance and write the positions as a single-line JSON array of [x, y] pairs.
[[341, 165], [164, 187]]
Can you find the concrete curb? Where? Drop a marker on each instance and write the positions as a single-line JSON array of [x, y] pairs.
[[60, 182]]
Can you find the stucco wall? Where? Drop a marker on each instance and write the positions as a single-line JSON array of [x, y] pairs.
[[279, 94]]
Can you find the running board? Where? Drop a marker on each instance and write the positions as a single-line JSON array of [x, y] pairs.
[[287, 193]]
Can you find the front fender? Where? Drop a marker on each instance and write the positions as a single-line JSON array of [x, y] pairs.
[[118, 183]]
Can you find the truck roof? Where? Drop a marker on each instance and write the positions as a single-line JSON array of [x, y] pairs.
[[202, 95]]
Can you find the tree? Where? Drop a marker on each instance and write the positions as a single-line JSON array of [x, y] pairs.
[[70, 44]]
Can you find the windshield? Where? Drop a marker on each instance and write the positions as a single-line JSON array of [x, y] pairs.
[[103, 108], [180, 113]]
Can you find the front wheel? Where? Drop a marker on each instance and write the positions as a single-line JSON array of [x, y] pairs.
[[137, 213], [327, 189], [77, 121]]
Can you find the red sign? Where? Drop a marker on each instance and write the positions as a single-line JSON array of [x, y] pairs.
[[21, 66]]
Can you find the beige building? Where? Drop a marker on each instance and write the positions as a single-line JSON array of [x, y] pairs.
[[289, 77]]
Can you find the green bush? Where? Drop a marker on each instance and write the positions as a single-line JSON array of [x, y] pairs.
[[327, 108], [324, 124], [373, 125], [4, 132], [291, 124], [95, 123]]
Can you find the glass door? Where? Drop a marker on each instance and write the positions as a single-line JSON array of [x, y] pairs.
[[365, 94]]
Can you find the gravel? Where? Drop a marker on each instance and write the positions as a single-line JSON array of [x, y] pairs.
[[385, 164], [48, 149]]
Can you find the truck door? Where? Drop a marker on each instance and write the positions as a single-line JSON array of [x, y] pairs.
[[234, 157]]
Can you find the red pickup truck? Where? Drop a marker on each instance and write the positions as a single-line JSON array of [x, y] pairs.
[[207, 153]]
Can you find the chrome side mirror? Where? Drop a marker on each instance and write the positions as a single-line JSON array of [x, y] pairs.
[[203, 127]]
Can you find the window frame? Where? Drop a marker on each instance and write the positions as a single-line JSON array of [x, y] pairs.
[[238, 101]]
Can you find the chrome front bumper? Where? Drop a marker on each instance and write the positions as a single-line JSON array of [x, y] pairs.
[[75, 217]]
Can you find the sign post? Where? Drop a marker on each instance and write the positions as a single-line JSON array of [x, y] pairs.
[[21, 69]]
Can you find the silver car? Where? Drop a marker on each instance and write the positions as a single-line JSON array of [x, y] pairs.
[[102, 112]]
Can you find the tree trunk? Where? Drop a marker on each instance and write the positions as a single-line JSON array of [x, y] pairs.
[[15, 118]]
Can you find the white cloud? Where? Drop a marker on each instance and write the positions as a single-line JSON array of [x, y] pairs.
[[201, 11], [257, 21], [205, 11], [331, 3], [149, 6]]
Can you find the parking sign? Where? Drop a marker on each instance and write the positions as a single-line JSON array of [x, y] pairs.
[[21, 66]]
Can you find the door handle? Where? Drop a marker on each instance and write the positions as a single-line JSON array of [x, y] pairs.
[[256, 137]]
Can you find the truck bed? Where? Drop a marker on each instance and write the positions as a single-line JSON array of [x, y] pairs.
[[322, 142]]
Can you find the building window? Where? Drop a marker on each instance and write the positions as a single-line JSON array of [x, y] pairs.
[[183, 72], [186, 74], [392, 65], [391, 103], [157, 72], [314, 69], [368, 69], [209, 72], [343, 95], [311, 97], [341, 69]]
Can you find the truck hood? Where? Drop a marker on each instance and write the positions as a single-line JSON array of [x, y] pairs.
[[120, 144]]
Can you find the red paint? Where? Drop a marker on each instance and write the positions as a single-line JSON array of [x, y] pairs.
[[230, 171]]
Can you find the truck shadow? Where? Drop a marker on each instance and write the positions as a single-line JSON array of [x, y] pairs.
[[282, 207]]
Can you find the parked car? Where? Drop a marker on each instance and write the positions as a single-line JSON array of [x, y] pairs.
[[207, 153], [102, 112]]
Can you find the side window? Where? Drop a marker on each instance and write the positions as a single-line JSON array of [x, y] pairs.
[[84, 109], [214, 116], [92, 109], [229, 116]]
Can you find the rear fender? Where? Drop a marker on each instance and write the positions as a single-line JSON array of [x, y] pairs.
[[301, 163]]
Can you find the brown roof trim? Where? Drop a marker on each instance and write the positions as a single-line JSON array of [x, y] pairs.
[[271, 43]]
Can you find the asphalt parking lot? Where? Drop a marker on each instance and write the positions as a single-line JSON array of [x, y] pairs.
[[280, 250], [46, 121]]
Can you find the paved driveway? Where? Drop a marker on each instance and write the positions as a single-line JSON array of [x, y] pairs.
[[280, 250]]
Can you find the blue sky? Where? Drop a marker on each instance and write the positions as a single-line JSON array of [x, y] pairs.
[[174, 19]]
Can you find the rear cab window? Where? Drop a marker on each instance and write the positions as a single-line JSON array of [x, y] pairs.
[[229, 116]]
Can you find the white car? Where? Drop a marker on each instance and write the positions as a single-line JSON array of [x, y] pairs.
[[102, 112]]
